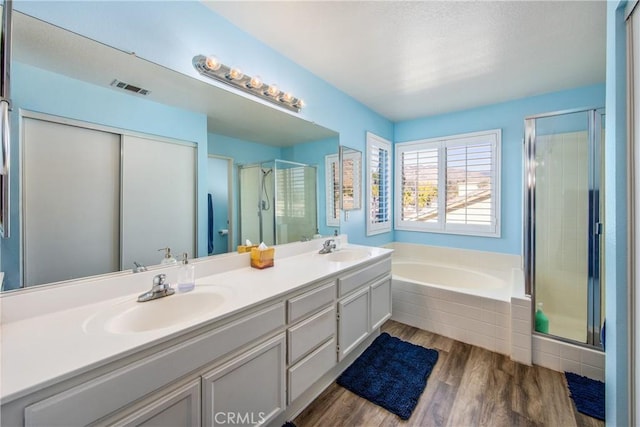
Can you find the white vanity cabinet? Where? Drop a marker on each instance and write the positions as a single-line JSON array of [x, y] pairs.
[[365, 302], [248, 390], [260, 365], [311, 343], [110, 396]]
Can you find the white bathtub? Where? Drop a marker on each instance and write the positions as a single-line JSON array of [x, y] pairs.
[[450, 276], [461, 294]]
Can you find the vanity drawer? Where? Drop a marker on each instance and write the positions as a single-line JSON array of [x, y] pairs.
[[306, 372], [358, 278], [311, 301], [117, 389], [309, 333]]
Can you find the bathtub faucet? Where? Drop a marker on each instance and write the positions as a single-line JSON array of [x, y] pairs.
[[328, 246]]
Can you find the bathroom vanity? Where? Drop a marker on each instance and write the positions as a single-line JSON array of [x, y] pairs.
[[246, 347]]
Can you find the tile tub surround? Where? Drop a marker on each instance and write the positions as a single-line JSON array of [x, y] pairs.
[[49, 320], [561, 356], [481, 318], [479, 321]]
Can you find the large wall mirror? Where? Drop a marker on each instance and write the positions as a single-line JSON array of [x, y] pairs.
[[270, 157]]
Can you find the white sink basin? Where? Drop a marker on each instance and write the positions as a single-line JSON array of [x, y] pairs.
[[347, 255], [127, 316]]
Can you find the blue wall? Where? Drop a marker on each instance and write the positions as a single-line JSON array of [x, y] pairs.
[[615, 233], [37, 90], [508, 116]]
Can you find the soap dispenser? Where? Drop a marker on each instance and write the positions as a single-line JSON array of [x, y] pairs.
[[337, 240], [168, 259], [186, 275]]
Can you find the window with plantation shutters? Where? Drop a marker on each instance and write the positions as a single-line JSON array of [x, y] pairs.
[[293, 182], [450, 184], [379, 188]]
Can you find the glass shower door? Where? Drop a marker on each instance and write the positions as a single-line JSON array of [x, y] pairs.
[[564, 228]]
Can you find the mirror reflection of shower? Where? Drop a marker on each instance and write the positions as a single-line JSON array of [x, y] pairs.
[[277, 202], [265, 204]]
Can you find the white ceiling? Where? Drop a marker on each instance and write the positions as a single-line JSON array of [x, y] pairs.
[[408, 59]]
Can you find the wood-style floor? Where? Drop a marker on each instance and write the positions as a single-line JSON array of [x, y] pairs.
[[469, 386]]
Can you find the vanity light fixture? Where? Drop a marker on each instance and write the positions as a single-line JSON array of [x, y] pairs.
[[211, 67]]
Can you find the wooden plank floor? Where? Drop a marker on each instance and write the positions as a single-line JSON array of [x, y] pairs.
[[469, 386]]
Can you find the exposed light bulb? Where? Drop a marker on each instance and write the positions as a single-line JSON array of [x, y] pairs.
[[211, 67], [287, 97], [213, 63], [272, 90], [235, 74], [255, 82]]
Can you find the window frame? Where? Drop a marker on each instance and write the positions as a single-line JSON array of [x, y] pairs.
[[376, 142], [332, 190], [494, 137]]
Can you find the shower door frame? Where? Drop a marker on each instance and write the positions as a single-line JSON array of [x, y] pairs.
[[595, 225]]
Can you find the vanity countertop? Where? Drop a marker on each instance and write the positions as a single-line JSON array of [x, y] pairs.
[[41, 350]]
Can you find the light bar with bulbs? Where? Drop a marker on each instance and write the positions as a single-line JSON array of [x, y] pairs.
[[211, 67]]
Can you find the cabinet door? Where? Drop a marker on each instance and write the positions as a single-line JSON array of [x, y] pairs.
[[178, 407], [158, 199], [380, 302], [248, 390], [353, 321]]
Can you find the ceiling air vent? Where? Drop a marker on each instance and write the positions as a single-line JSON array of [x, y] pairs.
[[131, 88]]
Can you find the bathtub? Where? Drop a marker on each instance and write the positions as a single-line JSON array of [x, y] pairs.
[[461, 294], [451, 277]]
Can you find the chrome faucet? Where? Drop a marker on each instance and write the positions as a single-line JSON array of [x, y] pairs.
[[138, 268], [328, 246], [159, 289]]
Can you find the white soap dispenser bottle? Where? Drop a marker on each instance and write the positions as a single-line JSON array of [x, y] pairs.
[[337, 239], [186, 275], [168, 259]]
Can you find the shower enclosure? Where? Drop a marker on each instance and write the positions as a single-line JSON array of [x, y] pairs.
[[277, 202], [563, 222]]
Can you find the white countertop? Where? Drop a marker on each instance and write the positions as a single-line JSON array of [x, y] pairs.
[[41, 350]]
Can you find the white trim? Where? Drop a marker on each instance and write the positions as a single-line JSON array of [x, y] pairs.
[[494, 137], [332, 221], [377, 142]]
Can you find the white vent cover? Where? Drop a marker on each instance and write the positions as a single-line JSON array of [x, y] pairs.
[[131, 88]]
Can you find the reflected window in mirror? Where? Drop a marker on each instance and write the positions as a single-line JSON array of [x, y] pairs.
[[379, 188], [350, 178], [332, 192]]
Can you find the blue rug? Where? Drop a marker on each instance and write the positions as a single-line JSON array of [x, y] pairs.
[[391, 373], [587, 394]]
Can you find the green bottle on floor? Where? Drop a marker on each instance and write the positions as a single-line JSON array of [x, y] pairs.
[[542, 321]]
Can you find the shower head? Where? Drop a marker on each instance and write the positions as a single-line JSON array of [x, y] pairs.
[[266, 172]]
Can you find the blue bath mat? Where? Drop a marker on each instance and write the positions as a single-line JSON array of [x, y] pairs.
[[391, 373], [587, 394]]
